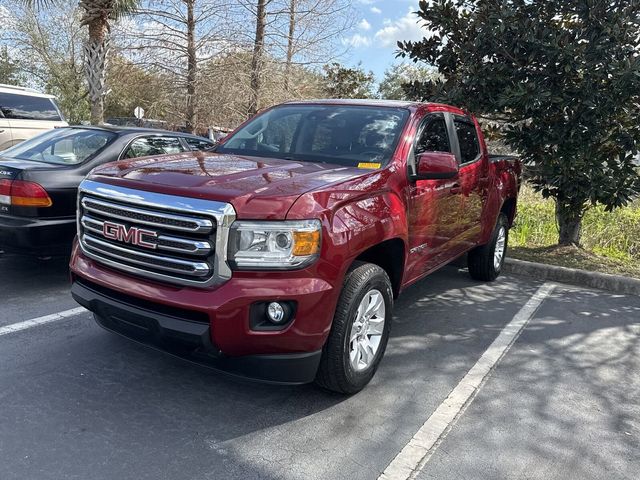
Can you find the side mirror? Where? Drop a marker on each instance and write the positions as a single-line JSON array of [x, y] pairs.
[[436, 166]]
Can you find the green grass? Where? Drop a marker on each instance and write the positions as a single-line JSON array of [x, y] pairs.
[[610, 240]]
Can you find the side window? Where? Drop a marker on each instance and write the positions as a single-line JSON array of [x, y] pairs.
[[198, 143], [27, 107], [434, 137], [468, 140], [143, 147]]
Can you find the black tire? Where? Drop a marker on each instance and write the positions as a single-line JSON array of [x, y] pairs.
[[481, 259], [335, 372]]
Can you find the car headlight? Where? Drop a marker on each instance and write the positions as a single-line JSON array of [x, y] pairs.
[[269, 245]]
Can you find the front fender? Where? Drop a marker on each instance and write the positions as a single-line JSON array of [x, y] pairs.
[[373, 220], [354, 220]]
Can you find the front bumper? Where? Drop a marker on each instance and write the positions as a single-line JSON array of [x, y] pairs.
[[212, 325], [35, 236], [191, 340]]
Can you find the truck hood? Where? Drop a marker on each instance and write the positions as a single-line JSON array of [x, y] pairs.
[[258, 188]]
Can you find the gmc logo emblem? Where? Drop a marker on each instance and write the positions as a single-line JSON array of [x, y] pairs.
[[132, 235]]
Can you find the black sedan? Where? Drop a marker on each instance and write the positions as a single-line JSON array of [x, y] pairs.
[[39, 179]]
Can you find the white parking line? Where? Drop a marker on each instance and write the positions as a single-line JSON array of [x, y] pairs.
[[414, 456], [34, 322]]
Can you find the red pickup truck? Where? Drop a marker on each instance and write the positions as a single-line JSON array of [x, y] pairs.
[[278, 255]]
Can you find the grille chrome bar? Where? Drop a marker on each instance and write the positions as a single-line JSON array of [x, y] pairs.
[[167, 264], [165, 242], [190, 234], [147, 217]]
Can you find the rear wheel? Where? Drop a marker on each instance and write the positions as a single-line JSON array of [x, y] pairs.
[[485, 262], [359, 332]]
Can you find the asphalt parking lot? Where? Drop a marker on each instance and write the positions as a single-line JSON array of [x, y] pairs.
[[564, 401]]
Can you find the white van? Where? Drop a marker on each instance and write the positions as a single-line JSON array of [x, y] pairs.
[[24, 113]]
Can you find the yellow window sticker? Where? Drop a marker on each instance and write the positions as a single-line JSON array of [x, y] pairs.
[[370, 165]]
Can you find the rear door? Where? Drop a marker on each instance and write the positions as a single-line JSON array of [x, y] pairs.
[[434, 205], [473, 179]]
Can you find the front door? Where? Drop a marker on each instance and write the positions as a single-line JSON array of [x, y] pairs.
[[434, 205]]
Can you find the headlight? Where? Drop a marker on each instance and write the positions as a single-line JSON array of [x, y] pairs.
[[273, 245]]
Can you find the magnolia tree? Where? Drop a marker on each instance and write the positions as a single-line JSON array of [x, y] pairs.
[[564, 75], [345, 82]]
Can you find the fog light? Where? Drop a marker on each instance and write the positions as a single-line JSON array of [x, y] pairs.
[[275, 312]]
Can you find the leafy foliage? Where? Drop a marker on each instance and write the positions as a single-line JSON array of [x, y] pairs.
[[343, 82], [398, 80], [49, 46], [225, 84], [9, 69], [131, 87], [564, 75]]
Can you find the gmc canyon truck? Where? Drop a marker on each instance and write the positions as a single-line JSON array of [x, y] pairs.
[[278, 255]]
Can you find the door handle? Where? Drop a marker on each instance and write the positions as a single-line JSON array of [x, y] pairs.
[[455, 188], [1, 130]]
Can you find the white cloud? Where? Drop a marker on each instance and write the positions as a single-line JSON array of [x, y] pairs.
[[376, 10], [405, 28], [357, 41], [364, 25]]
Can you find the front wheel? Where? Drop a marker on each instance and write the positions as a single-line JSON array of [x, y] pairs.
[[485, 262], [359, 332]]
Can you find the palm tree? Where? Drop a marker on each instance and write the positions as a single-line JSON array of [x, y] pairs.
[[96, 15]]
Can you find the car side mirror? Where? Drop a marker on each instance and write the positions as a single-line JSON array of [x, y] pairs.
[[436, 166]]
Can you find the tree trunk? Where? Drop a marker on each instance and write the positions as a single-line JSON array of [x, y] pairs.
[[257, 59], [96, 50], [292, 28], [191, 69], [569, 218]]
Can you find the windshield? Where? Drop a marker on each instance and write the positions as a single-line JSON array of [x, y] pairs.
[[345, 135], [61, 146]]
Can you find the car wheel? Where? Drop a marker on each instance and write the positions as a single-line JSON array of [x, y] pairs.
[[359, 332], [485, 262]]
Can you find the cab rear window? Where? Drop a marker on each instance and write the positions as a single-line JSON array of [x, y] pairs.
[[27, 107]]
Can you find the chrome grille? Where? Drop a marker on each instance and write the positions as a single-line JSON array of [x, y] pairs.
[[145, 217], [185, 239]]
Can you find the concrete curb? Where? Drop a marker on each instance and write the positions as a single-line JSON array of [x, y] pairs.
[[574, 276]]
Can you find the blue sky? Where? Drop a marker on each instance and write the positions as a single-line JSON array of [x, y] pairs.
[[380, 24]]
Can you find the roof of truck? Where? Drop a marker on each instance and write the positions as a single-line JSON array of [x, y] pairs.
[[360, 101]]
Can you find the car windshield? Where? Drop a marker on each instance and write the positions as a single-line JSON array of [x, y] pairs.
[[341, 134], [62, 146]]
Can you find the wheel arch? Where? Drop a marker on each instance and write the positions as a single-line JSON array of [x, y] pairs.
[[390, 256], [509, 209]]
